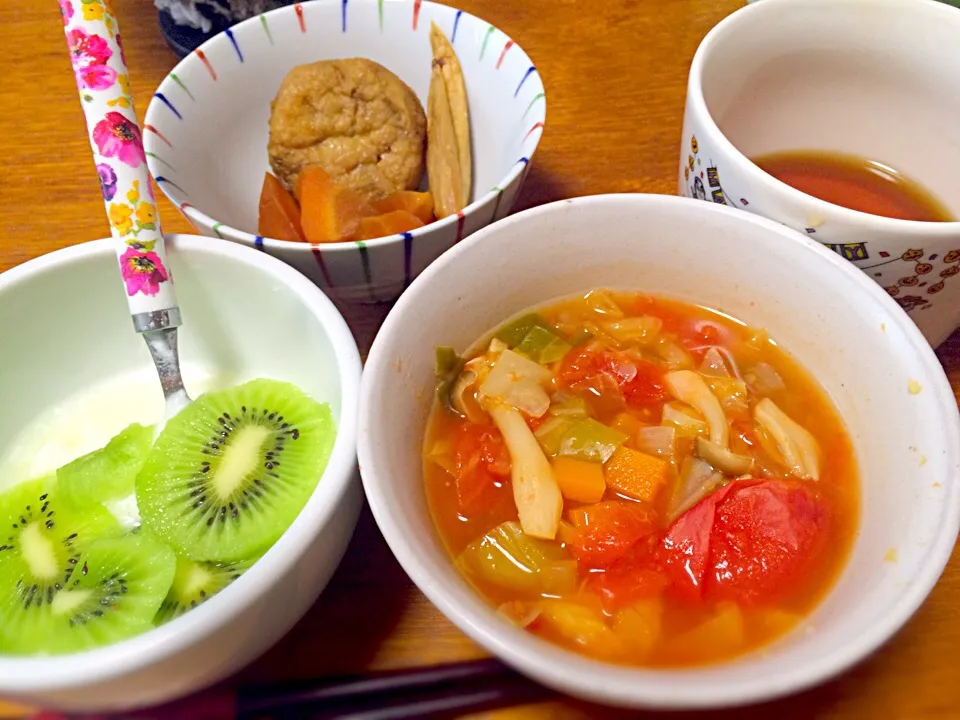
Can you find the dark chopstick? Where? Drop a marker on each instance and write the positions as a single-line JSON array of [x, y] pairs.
[[427, 693], [434, 703]]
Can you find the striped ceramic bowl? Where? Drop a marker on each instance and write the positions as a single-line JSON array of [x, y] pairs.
[[206, 128]]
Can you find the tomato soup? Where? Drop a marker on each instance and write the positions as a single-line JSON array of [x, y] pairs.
[[641, 481]]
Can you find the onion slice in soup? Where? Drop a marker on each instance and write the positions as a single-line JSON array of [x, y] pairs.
[[518, 382], [799, 448], [656, 440], [463, 396], [634, 329], [680, 418], [697, 480], [535, 491], [687, 386], [672, 354], [764, 380], [713, 364], [722, 459]]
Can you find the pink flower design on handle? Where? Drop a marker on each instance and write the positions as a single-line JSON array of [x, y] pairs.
[[142, 271], [117, 137], [86, 49], [90, 54], [96, 77], [66, 10]]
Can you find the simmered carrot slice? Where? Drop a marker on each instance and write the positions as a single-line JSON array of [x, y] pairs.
[[328, 212], [415, 203], [279, 214], [391, 223]]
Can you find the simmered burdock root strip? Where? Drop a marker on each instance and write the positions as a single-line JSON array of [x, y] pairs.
[[449, 156], [638, 480]]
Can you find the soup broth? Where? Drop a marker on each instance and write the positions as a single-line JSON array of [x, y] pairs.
[[640, 481], [855, 182]]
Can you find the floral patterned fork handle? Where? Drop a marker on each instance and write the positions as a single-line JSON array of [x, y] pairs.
[[100, 69]]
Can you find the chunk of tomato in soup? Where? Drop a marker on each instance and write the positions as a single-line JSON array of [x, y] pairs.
[[605, 531], [685, 550], [647, 387], [596, 370], [751, 541], [765, 539], [638, 575], [481, 460], [691, 331]]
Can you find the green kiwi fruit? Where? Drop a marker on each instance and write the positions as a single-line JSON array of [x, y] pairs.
[[113, 593], [230, 472], [41, 543], [196, 582], [109, 473]]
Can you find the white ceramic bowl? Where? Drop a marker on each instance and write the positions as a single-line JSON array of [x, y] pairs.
[[65, 327], [207, 127], [834, 319]]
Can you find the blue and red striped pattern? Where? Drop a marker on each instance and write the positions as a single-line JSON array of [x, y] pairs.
[[516, 73]]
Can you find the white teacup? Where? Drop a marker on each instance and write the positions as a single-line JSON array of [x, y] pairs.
[[875, 78]]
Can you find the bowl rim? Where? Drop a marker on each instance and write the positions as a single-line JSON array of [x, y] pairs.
[[226, 231], [648, 687], [32, 674], [698, 105]]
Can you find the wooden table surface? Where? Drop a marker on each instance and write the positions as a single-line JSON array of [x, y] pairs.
[[615, 72]]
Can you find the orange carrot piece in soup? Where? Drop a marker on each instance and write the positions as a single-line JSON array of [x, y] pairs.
[[636, 474], [579, 480], [415, 203], [279, 216], [392, 223], [328, 212]]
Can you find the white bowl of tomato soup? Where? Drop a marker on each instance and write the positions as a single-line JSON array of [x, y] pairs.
[[658, 453]]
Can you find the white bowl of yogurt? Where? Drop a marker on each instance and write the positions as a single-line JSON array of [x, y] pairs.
[[75, 373]]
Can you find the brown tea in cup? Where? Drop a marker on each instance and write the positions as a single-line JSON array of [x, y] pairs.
[[855, 182]]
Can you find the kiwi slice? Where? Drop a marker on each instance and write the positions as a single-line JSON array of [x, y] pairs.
[[41, 542], [112, 594], [196, 582], [231, 472], [109, 473]]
